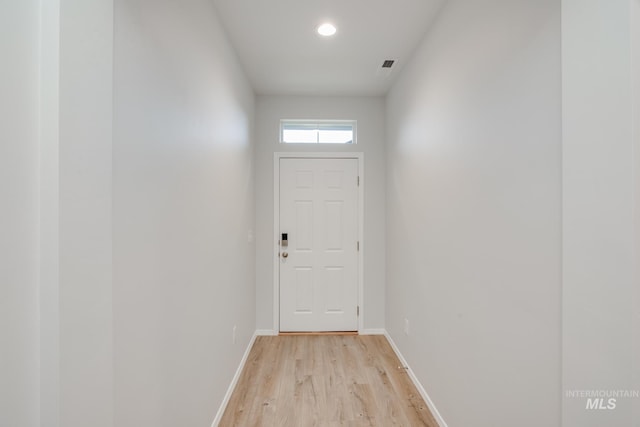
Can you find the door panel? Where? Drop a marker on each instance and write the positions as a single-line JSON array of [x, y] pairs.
[[304, 290], [319, 275]]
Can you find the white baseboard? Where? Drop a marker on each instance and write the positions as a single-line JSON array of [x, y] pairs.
[[266, 332], [415, 381], [234, 382], [372, 332]]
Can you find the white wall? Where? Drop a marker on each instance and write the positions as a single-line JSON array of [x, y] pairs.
[[635, 73], [49, 214], [19, 348], [474, 213], [85, 221], [183, 205], [369, 113], [58, 342], [599, 264]]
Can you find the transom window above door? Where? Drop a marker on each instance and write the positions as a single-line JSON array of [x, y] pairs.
[[318, 131]]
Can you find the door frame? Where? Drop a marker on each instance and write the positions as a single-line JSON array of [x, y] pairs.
[[359, 156]]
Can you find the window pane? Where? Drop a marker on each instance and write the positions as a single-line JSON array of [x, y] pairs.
[[300, 126], [335, 126], [300, 136], [336, 136], [323, 132]]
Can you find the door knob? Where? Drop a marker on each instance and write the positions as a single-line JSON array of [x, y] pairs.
[[284, 254]]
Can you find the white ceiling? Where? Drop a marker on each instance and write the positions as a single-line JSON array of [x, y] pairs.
[[277, 43]]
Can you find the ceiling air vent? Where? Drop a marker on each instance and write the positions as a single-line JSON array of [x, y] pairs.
[[388, 63]]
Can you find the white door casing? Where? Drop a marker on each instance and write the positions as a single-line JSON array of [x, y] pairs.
[[318, 267]]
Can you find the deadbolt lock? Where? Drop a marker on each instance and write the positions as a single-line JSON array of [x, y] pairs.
[[284, 254]]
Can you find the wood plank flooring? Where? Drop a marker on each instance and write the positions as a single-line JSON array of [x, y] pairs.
[[325, 380]]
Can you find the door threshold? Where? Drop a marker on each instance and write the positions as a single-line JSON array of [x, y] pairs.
[[294, 334]]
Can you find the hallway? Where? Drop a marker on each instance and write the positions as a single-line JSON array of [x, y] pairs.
[[499, 184]]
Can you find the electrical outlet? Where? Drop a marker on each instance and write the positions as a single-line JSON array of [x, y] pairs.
[[233, 338], [406, 326]]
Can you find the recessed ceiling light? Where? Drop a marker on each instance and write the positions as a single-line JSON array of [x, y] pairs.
[[326, 30]]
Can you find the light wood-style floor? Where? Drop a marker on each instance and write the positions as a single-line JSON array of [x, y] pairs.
[[329, 380]]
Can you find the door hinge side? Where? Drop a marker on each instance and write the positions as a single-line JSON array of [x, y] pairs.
[[358, 245], [358, 181], [358, 310]]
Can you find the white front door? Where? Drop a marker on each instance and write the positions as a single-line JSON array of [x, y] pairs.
[[319, 259]]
